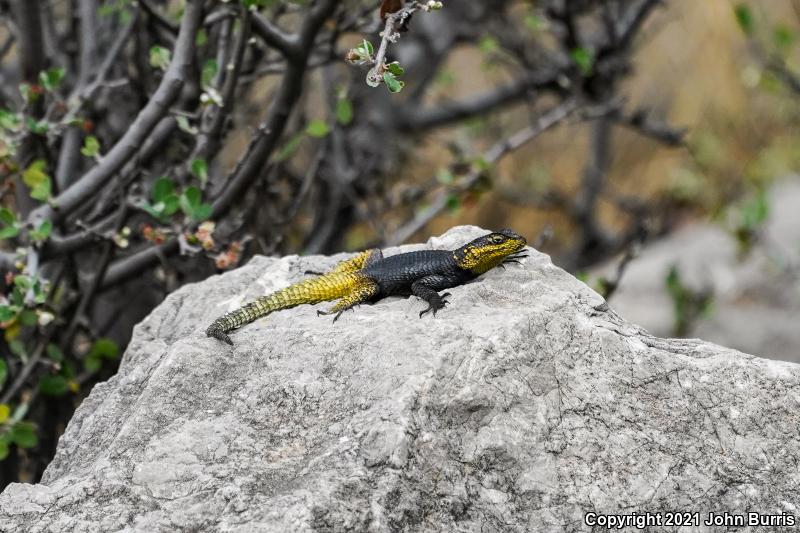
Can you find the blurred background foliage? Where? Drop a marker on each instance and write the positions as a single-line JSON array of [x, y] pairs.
[[153, 143]]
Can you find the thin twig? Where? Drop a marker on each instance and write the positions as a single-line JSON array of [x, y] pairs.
[[158, 106], [389, 35], [494, 154]]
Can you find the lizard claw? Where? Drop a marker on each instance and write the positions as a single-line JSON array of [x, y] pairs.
[[313, 273], [436, 305]]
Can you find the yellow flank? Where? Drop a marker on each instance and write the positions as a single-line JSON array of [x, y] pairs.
[[355, 263]]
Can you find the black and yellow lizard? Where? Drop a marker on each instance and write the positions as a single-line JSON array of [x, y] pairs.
[[369, 276]]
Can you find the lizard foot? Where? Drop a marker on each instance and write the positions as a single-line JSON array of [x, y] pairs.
[[338, 313], [435, 305]]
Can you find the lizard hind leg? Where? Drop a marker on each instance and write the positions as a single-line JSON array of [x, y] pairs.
[[360, 294]]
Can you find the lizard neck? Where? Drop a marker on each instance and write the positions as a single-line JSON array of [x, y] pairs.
[[474, 261]]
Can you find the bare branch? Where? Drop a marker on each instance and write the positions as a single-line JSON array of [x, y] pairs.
[[634, 19], [495, 153], [158, 106], [209, 137], [30, 38], [158, 18], [258, 151], [270, 131], [641, 122], [782, 72], [414, 119], [32, 60], [274, 36]]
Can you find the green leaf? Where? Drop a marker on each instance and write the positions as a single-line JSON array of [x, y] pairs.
[[23, 282], [6, 313], [19, 413], [488, 45], [584, 58], [162, 188], [445, 177], [53, 385], [7, 216], [17, 348], [37, 180], [165, 200], [5, 410], [50, 79], [24, 435], [191, 204], [55, 353], [40, 127], [104, 348], [344, 111], [199, 169], [202, 38], [453, 203], [41, 233], [210, 69], [171, 204], [10, 121], [91, 146], [395, 68], [755, 212], [92, 363], [202, 212], [317, 128], [8, 233], [192, 196], [159, 57], [367, 46], [289, 148], [255, 4], [28, 318], [3, 372], [744, 17], [392, 83], [183, 124], [9, 219], [30, 93], [535, 23], [3, 449], [784, 37]]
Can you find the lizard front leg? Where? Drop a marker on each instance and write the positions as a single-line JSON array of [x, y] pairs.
[[427, 288]]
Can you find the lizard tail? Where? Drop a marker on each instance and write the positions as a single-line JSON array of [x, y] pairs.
[[310, 291]]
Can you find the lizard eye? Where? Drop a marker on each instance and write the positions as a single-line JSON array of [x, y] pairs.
[[497, 239]]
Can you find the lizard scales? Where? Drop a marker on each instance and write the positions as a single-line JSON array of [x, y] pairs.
[[368, 277]]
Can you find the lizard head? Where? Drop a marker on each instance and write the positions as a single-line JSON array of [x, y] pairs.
[[488, 251]]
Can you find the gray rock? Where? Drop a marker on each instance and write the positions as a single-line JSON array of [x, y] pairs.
[[522, 406], [756, 305]]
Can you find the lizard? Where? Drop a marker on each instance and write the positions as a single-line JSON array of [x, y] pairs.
[[369, 277]]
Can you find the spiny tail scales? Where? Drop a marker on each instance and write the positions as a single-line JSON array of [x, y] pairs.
[[324, 288]]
